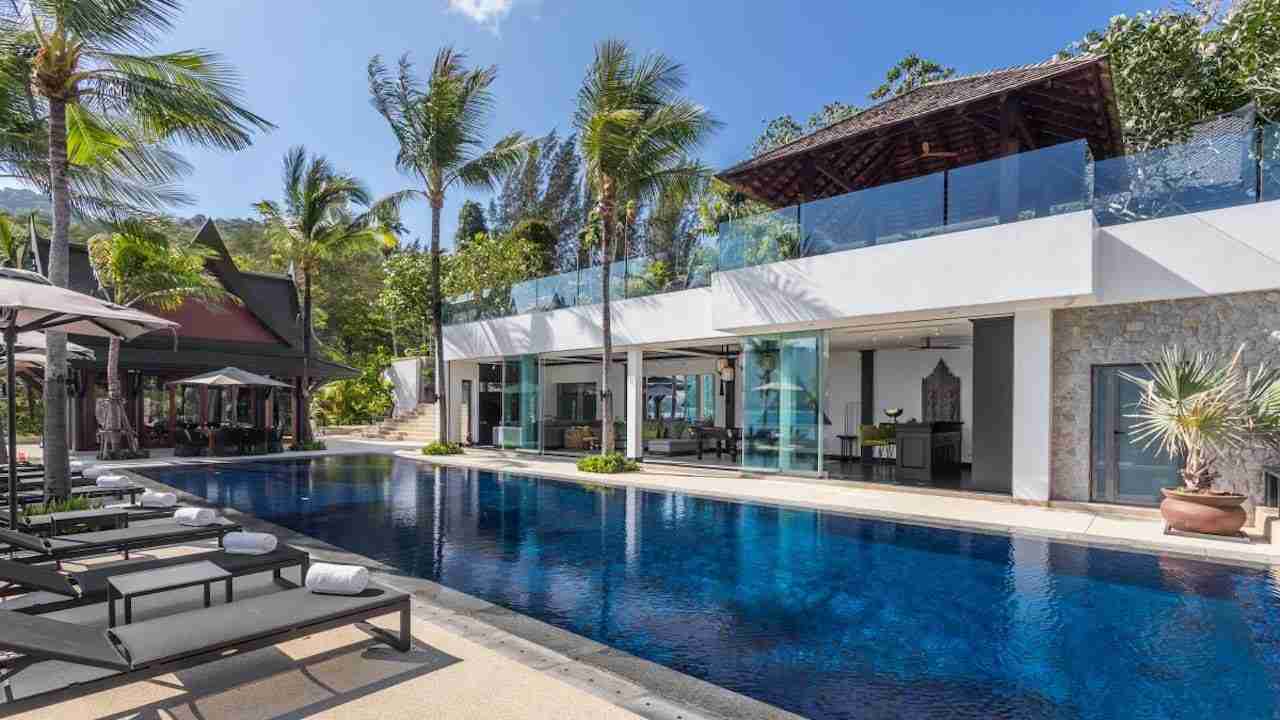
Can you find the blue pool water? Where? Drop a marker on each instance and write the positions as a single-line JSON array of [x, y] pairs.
[[825, 615]]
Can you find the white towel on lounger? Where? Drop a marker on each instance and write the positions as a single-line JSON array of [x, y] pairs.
[[153, 499], [195, 516], [93, 472], [112, 481], [77, 465], [249, 543], [331, 579]]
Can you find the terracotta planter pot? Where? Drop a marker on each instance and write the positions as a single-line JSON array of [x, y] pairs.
[[1202, 513]]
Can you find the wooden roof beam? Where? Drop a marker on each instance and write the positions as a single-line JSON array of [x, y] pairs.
[[830, 174]]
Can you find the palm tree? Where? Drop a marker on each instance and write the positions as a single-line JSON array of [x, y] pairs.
[[91, 68], [316, 224], [136, 264], [635, 135], [439, 125], [13, 246]]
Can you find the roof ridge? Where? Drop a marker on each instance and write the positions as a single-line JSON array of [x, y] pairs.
[[1048, 62]]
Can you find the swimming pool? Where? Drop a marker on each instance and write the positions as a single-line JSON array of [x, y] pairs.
[[825, 615]]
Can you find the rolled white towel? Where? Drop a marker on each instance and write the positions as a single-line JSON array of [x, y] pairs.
[[77, 465], [152, 499], [93, 472], [330, 579], [249, 543], [111, 481], [195, 516]]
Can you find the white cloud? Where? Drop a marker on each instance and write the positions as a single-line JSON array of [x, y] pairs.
[[486, 12]]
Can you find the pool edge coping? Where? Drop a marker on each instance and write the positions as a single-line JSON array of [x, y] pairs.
[[1222, 556]]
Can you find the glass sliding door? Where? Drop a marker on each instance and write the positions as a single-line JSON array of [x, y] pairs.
[[1124, 472], [521, 395], [782, 381]]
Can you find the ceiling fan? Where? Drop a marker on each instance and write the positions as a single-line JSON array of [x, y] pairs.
[[926, 151], [929, 344]]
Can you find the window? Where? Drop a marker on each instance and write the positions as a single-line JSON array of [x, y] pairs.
[[576, 401], [688, 397]]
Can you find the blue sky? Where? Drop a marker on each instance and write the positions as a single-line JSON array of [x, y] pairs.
[[303, 63]]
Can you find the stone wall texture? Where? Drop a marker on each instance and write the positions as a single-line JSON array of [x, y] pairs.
[[1116, 334]]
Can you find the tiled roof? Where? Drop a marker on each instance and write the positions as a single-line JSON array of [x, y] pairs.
[[927, 98]]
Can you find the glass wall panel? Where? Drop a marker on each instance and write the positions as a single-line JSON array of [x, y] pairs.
[[558, 291], [876, 216], [1206, 173], [521, 392], [760, 239], [782, 402], [1048, 181], [1270, 162]]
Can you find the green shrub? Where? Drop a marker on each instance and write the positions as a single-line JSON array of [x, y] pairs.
[[442, 448], [70, 504], [614, 462], [309, 446]]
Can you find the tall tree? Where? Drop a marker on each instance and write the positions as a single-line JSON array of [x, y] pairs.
[[1175, 68], [908, 74], [784, 128], [470, 223], [635, 135], [136, 264], [92, 69], [439, 125], [316, 222]]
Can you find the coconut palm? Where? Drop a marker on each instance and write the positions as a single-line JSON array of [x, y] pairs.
[[635, 135], [91, 69], [136, 264], [439, 124], [14, 248], [316, 223]]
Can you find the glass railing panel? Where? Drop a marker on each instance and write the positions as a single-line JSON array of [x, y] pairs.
[[875, 216], [590, 289], [1270, 165], [524, 297], [1035, 184], [701, 262], [646, 276], [760, 239], [1205, 173], [558, 291]]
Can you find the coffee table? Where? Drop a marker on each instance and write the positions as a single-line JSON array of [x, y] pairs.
[[149, 582]]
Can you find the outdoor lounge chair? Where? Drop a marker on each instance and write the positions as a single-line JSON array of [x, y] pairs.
[[26, 548], [35, 497], [47, 590], [163, 645]]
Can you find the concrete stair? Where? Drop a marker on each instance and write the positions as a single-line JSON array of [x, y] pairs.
[[418, 425]]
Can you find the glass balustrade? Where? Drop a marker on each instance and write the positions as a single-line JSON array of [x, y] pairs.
[[1204, 173]]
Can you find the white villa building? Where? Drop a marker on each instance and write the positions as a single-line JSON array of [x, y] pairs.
[[978, 253]]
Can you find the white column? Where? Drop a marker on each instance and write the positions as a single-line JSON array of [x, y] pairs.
[[635, 403], [1032, 403]]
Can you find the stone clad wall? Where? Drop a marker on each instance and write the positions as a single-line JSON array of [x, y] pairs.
[[1134, 333]]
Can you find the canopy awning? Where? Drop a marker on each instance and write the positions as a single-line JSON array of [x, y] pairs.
[[231, 377]]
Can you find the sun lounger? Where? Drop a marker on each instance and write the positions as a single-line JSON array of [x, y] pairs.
[[47, 590], [27, 548], [35, 497], [168, 644]]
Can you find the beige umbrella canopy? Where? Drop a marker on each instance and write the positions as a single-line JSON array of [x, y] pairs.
[[34, 342], [28, 302], [231, 377]]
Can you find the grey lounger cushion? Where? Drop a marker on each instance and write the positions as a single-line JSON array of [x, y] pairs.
[[175, 636], [32, 577], [56, 640]]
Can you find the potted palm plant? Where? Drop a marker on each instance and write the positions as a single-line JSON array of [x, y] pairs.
[[1203, 409]]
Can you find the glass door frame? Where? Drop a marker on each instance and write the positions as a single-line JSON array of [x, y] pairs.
[[741, 393], [1110, 485]]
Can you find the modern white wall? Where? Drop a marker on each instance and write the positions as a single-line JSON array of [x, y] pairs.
[[844, 385], [405, 376], [456, 372], [897, 382], [673, 317], [1046, 259], [1032, 404], [1231, 250]]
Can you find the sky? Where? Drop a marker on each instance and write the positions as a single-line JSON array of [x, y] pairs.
[[303, 64]]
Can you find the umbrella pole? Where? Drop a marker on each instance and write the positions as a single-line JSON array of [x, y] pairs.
[[11, 335]]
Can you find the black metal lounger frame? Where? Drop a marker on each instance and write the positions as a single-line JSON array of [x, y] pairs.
[[124, 545], [402, 641]]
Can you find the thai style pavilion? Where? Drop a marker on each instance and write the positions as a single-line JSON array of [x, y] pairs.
[[262, 333]]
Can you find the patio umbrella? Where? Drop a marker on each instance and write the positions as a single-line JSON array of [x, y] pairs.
[[230, 377], [28, 302], [34, 342]]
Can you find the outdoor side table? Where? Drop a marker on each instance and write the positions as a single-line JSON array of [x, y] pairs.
[[149, 582]]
